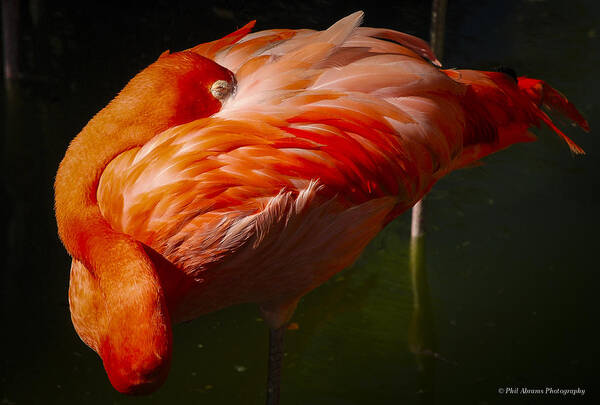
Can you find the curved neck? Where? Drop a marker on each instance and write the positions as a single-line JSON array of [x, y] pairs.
[[133, 329], [133, 334], [78, 216]]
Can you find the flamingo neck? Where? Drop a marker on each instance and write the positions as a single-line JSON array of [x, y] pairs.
[[109, 133], [133, 321], [131, 326]]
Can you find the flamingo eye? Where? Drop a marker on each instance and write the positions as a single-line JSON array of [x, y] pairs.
[[221, 89]]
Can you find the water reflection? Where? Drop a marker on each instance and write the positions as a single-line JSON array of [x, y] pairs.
[[421, 332]]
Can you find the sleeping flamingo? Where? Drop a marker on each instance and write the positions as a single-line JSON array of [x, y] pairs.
[[255, 167]]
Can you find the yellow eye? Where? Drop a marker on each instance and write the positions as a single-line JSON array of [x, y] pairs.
[[221, 89]]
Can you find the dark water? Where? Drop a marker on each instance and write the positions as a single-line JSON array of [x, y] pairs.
[[511, 248]]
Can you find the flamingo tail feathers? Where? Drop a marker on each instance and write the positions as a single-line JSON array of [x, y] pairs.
[[500, 110], [543, 95]]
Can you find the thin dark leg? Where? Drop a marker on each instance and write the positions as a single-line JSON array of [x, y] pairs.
[[275, 362]]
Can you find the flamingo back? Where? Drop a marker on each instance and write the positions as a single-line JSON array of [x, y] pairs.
[[328, 135]]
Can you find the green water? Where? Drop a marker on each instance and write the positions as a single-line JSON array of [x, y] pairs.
[[510, 255]]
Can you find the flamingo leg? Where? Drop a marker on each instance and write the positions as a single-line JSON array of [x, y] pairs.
[[275, 362]]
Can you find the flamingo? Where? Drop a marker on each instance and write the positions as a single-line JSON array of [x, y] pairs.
[[255, 167]]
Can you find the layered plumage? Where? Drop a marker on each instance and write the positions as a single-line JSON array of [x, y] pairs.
[[326, 138]]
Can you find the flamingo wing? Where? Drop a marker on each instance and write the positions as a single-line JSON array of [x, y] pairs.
[[327, 134]]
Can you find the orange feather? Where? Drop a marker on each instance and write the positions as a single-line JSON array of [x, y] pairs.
[[177, 200]]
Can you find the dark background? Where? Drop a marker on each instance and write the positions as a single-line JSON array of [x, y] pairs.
[[511, 248]]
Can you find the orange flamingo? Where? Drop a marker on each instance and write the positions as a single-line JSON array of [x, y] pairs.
[[255, 167]]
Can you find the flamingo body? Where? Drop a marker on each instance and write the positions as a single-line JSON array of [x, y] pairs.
[[261, 197]]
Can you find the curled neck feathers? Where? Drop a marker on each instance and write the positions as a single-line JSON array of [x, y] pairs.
[[131, 327]]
